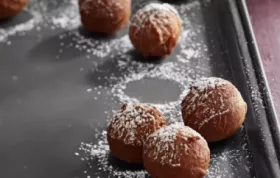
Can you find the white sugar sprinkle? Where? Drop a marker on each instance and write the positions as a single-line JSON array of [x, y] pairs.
[[157, 15], [158, 7], [164, 141], [126, 122], [98, 155], [206, 83]]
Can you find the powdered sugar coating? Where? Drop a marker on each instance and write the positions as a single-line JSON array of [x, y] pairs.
[[214, 107], [134, 122], [199, 96], [158, 7], [164, 145], [206, 83], [158, 16]]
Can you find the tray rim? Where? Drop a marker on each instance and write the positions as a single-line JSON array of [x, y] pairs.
[[253, 46], [262, 82]]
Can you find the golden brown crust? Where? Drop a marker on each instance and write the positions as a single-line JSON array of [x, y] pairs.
[[185, 155], [216, 112], [155, 29], [104, 16], [10, 8], [129, 129]]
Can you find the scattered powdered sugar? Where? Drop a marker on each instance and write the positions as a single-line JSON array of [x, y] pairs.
[[218, 160], [5, 33], [167, 71], [229, 162], [98, 158], [128, 120], [40, 18], [158, 7], [163, 146], [93, 46], [136, 71], [64, 15], [189, 53], [69, 19], [223, 164], [256, 96]]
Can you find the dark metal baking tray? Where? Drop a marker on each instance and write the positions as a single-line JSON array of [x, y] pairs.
[[47, 106]]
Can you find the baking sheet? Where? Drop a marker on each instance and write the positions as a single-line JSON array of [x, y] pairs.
[[59, 85]]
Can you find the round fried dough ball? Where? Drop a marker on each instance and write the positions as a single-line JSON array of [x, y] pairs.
[[10, 8], [214, 108], [176, 151], [155, 29], [129, 129], [104, 16]]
